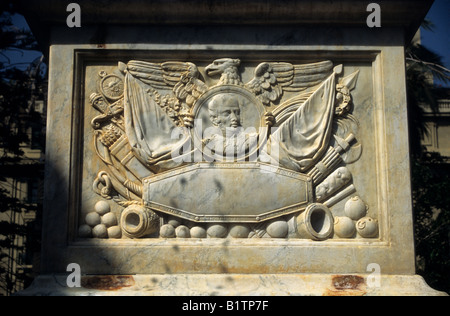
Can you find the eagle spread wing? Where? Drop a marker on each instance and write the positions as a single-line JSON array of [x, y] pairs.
[[159, 76], [181, 77], [271, 79]]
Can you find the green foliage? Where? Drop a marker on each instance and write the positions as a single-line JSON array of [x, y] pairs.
[[431, 200]]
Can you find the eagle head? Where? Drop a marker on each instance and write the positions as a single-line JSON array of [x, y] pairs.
[[220, 65]]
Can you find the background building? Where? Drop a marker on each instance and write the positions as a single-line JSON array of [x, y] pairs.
[[438, 125]]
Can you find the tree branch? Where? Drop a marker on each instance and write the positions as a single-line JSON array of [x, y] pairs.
[[428, 63], [434, 232]]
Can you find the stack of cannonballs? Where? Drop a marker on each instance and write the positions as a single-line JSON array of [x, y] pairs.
[[355, 221], [102, 223]]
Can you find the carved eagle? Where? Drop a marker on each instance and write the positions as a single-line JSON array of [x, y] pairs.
[[227, 68], [271, 79]]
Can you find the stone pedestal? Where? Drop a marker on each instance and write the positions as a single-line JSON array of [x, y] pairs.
[[197, 148], [234, 285]]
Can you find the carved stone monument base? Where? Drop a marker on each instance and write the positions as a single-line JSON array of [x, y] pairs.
[[234, 285], [228, 148]]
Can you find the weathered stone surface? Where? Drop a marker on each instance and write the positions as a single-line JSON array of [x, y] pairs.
[[236, 285], [244, 192], [250, 12]]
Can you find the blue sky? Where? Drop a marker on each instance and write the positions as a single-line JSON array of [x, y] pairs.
[[439, 39], [22, 58]]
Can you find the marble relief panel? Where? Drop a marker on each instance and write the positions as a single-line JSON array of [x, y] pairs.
[[228, 148]]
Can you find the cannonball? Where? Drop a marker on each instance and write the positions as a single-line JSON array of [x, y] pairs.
[[93, 219], [239, 231], [109, 219], [174, 222], [182, 232], [367, 227], [102, 207], [167, 231], [198, 232], [278, 229], [355, 208], [217, 231], [344, 227], [114, 232], [100, 231], [85, 231]]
